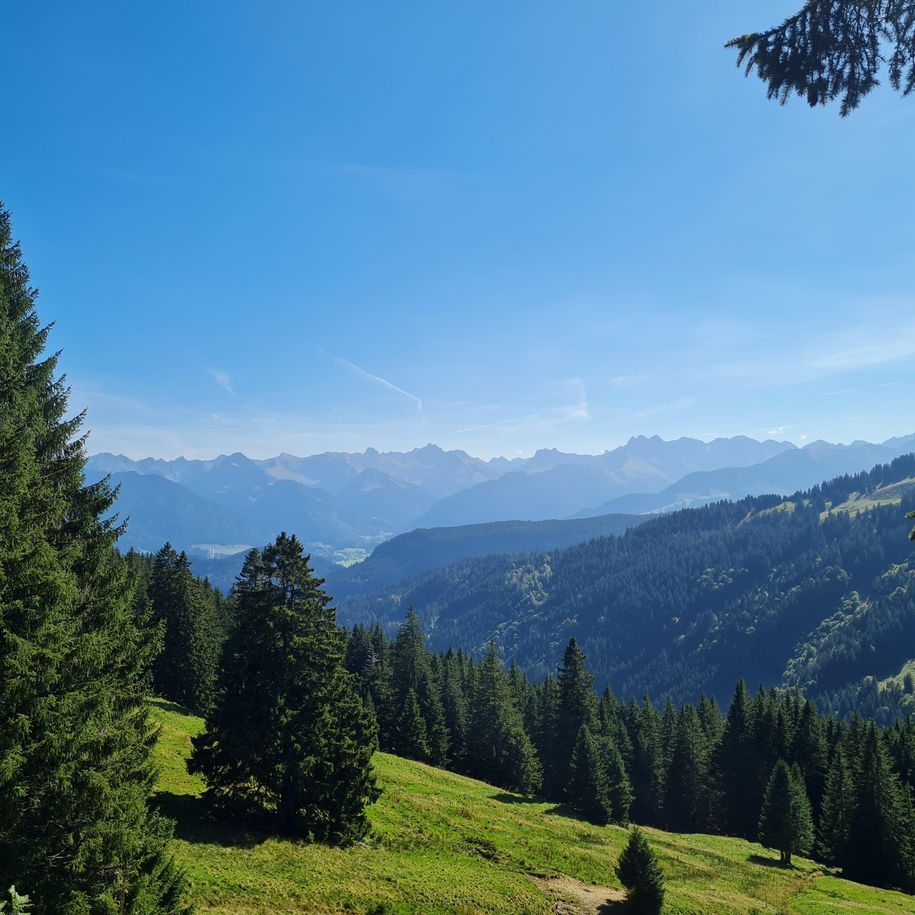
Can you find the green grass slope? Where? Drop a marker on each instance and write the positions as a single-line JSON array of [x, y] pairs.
[[447, 844]]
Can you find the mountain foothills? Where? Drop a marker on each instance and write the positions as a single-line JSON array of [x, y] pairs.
[[815, 591], [342, 505]]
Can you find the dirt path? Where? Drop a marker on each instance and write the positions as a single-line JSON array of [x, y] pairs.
[[576, 898]]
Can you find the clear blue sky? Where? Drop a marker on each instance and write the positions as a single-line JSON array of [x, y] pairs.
[[496, 226]]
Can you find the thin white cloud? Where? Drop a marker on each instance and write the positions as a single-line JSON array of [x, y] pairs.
[[375, 379], [883, 347], [579, 410], [870, 387], [222, 379]]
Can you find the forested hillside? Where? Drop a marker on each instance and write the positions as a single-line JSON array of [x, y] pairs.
[[814, 591], [419, 551]]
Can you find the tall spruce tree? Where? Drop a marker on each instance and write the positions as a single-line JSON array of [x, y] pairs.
[[785, 821], [498, 748], [410, 668], [686, 801], [186, 668], [588, 789], [737, 765], [75, 741], [835, 811], [646, 771], [576, 706], [289, 743], [411, 740], [877, 845], [618, 783]]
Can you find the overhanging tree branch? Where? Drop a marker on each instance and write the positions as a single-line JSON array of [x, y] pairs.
[[834, 49]]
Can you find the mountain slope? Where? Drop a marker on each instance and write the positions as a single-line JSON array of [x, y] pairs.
[[784, 473], [444, 844], [419, 551], [158, 510], [522, 496], [690, 601]]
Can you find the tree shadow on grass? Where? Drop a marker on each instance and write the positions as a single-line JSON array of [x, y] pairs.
[[503, 797], [770, 862], [563, 810], [194, 824]]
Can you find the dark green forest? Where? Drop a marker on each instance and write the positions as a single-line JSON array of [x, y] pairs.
[[771, 768], [781, 591]]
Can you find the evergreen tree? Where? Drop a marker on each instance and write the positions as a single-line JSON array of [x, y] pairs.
[[785, 821], [646, 771], [835, 811], [498, 748], [808, 750], [289, 742], [454, 705], [877, 846], [410, 737], [411, 668], [639, 870], [618, 783], [737, 767], [686, 799], [186, 668], [588, 790], [75, 772], [576, 706]]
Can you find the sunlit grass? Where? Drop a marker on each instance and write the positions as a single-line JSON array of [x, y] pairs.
[[446, 844]]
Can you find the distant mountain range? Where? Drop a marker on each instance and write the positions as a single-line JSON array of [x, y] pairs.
[[342, 505]]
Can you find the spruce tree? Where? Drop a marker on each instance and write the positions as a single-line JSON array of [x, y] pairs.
[[576, 706], [454, 705], [808, 750], [410, 737], [835, 811], [289, 744], [588, 790], [639, 870], [75, 740], [185, 670], [737, 767], [410, 667], [618, 783], [646, 771], [785, 821], [877, 841], [498, 748], [686, 801]]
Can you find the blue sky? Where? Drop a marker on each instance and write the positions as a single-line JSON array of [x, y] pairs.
[[494, 226]]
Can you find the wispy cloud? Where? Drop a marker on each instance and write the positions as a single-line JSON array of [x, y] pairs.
[[375, 379], [221, 378], [882, 348], [869, 387], [579, 409]]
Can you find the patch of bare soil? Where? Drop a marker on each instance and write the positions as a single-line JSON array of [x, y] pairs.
[[576, 898]]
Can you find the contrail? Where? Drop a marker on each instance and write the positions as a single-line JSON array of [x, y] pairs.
[[377, 379]]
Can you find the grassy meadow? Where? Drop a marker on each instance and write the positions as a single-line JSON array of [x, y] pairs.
[[443, 843]]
